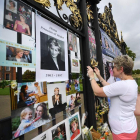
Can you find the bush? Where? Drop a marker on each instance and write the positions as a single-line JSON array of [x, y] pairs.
[[4, 83], [28, 80], [15, 123]]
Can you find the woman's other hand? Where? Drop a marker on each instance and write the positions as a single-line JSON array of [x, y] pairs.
[[90, 72], [97, 71]]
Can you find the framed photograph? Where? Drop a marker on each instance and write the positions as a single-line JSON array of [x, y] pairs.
[[16, 55], [18, 17]]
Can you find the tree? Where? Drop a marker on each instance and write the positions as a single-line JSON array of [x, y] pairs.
[[130, 53], [29, 75]]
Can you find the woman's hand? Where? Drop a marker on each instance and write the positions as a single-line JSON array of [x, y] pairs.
[[90, 72], [97, 71]]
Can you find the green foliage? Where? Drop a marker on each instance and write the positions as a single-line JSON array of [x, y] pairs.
[[4, 83], [137, 71], [15, 123], [29, 75], [130, 53]]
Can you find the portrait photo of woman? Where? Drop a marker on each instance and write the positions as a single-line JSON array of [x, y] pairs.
[[51, 58], [21, 26], [18, 57], [11, 5]]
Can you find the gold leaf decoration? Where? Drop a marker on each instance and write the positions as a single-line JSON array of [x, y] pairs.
[[45, 3]]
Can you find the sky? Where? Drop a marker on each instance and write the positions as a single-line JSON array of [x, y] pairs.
[[126, 15]]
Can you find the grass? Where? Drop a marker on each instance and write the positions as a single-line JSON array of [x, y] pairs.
[[5, 91]]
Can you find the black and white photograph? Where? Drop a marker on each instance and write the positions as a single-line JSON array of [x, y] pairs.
[[52, 53], [18, 17]]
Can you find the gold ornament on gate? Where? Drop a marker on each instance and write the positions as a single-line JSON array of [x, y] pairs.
[[94, 63], [45, 3]]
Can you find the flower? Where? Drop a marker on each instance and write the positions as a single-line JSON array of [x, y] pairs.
[[85, 130], [13, 84], [16, 93]]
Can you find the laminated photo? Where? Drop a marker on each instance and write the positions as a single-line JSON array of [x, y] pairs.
[[18, 17], [72, 42], [73, 100], [75, 126], [92, 43], [75, 65], [56, 94], [17, 55], [29, 93], [52, 54], [72, 86], [27, 118]]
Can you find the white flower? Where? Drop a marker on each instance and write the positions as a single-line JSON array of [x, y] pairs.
[[16, 93], [85, 130], [13, 84]]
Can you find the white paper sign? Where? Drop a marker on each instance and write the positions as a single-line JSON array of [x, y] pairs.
[[51, 51]]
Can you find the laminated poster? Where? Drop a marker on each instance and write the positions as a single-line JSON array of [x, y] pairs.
[[52, 51], [17, 55]]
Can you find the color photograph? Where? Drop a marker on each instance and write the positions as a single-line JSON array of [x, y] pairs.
[[29, 93], [18, 55], [18, 17], [75, 128], [73, 100], [72, 42], [59, 132], [28, 118], [56, 94], [73, 86]]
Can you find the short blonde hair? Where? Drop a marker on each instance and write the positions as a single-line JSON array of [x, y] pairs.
[[124, 61], [24, 113], [19, 50]]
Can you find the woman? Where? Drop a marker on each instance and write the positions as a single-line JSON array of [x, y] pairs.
[[23, 97], [18, 57], [123, 95], [21, 26], [53, 61], [41, 111], [56, 98], [78, 99], [12, 6]]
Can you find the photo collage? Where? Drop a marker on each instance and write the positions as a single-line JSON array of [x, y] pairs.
[[18, 17], [37, 96]]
